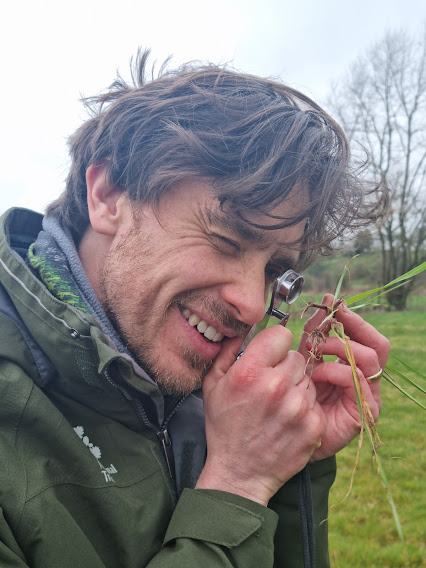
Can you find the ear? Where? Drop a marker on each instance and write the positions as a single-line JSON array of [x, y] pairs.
[[103, 200]]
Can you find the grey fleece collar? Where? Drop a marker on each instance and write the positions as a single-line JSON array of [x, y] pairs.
[[66, 245]]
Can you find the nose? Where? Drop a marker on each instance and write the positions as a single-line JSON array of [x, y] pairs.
[[246, 295]]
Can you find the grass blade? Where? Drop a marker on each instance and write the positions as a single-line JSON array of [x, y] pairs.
[[374, 298], [403, 391], [405, 378], [367, 422], [390, 498], [367, 304], [341, 278], [407, 366], [401, 278]]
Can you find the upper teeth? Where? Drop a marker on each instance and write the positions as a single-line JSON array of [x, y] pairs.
[[203, 327]]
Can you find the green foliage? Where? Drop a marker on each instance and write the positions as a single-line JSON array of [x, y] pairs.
[[399, 282], [362, 528], [364, 273], [407, 368]]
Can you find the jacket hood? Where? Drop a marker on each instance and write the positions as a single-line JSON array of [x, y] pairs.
[[64, 333]]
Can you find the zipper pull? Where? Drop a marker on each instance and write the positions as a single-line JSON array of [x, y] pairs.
[[168, 450]]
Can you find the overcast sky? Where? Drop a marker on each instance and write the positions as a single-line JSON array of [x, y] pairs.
[[53, 52]]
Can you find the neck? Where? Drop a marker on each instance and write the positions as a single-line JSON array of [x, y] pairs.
[[92, 251]]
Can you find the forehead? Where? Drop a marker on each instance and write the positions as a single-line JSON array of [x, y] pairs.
[[199, 191], [197, 196], [262, 227]]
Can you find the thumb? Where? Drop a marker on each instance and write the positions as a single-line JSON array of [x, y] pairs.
[[222, 363]]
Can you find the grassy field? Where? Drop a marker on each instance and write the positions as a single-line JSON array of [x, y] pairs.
[[362, 530]]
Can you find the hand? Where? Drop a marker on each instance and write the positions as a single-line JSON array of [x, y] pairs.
[[262, 422], [333, 380]]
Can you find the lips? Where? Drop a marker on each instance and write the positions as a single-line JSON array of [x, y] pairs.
[[204, 328]]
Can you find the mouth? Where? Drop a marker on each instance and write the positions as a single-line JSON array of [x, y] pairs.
[[209, 332]]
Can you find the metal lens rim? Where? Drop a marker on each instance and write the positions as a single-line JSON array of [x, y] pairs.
[[291, 283]]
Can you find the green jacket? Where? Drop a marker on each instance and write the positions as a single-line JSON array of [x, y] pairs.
[[84, 482]]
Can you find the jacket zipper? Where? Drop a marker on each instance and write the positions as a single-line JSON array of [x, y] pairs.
[[162, 433], [166, 442]]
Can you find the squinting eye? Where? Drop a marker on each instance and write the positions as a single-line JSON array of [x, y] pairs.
[[226, 244]]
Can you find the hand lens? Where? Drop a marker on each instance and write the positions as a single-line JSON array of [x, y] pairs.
[[286, 289]]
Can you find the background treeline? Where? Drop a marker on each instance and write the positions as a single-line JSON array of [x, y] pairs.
[[381, 104]]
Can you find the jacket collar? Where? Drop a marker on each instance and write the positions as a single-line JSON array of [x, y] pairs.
[[72, 340]]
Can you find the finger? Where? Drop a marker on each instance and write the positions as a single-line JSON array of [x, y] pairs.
[[364, 333], [222, 363], [268, 347], [365, 357], [308, 386], [341, 375], [293, 367], [320, 314], [334, 373], [299, 400]]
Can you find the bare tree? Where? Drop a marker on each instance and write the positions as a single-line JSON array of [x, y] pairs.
[[381, 104]]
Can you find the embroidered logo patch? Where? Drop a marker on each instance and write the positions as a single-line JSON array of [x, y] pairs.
[[108, 472]]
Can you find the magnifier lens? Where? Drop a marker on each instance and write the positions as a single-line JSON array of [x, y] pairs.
[[289, 286]]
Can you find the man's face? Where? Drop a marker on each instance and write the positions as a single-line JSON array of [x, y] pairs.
[[178, 281]]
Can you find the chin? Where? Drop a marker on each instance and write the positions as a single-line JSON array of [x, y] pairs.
[[180, 378], [174, 385]]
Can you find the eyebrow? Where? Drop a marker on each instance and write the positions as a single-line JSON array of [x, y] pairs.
[[238, 227], [242, 229]]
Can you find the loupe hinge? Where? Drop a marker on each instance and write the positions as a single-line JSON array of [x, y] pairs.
[[283, 317]]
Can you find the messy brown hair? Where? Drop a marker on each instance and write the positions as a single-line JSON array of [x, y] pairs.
[[256, 140]]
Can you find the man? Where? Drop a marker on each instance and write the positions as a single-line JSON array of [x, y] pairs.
[[187, 196]]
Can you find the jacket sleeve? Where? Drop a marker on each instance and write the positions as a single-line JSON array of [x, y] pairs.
[[288, 536], [215, 529], [11, 555], [218, 529]]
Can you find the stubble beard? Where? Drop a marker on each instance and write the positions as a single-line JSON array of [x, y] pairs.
[[140, 319], [115, 280]]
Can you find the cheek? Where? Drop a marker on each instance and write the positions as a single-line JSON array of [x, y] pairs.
[[196, 266]]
